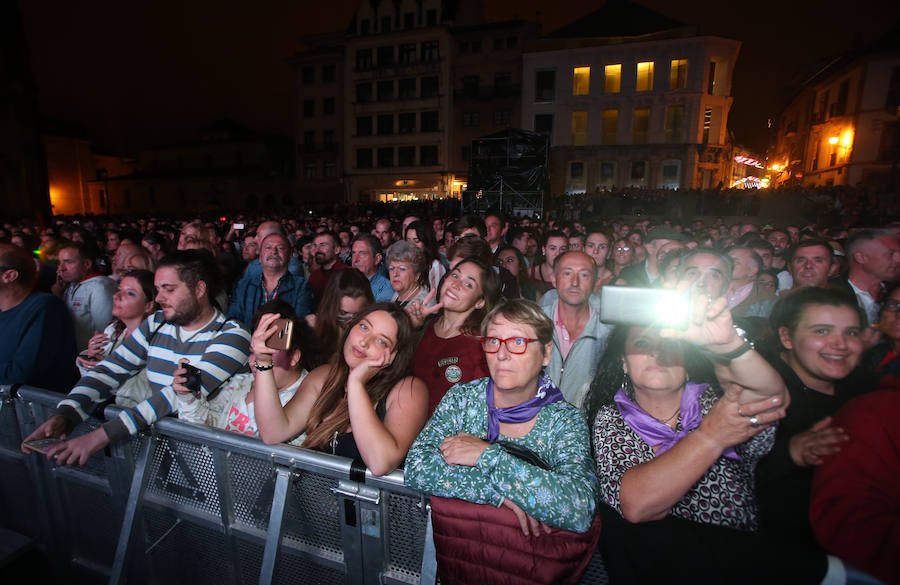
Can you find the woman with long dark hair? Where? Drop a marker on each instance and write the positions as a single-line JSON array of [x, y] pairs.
[[363, 404], [421, 235], [347, 293], [676, 457]]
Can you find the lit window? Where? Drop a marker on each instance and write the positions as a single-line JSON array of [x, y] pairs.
[[610, 124], [579, 128], [644, 76], [581, 81], [641, 126], [613, 78], [678, 74]]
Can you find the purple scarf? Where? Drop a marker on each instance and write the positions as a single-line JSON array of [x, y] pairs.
[[547, 393], [659, 435]]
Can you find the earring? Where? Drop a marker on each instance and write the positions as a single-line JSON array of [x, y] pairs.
[[626, 385]]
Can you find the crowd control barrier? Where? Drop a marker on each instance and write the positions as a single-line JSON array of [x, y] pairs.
[[186, 503]]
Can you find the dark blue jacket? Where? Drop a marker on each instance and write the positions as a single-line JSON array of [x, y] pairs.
[[249, 295]]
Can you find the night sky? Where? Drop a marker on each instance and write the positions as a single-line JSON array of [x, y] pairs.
[[139, 74]]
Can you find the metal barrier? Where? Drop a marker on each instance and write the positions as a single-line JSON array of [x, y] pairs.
[[189, 503]]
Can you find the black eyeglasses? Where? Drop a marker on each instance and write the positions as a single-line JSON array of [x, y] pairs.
[[891, 306], [515, 345]]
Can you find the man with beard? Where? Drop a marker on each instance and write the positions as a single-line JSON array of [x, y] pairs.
[[327, 262], [579, 338], [186, 329], [274, 282], [265, 229]]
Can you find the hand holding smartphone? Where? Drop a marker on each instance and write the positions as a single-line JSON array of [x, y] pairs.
[[281, 339], [41, 445]]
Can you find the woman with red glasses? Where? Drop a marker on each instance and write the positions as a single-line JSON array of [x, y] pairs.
[[506, 457]]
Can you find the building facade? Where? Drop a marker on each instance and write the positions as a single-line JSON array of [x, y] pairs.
[[842, 126], [226, 167], [630, 98], [423, 78], [319, 131]]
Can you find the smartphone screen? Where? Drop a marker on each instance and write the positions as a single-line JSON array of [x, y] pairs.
[[41, 445], [650, 307]]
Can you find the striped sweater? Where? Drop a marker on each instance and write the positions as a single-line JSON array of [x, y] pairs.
[[219, 350]]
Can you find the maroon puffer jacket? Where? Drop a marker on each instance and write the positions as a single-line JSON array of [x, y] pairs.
[[480, 544]]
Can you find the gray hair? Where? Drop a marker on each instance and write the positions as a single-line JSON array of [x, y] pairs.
[[403, 251], [862, 237]]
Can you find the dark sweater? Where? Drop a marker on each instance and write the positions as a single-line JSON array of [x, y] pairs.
[[37, 345]]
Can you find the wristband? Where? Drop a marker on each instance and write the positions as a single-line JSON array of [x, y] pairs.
[[734, 353], [263, 367]]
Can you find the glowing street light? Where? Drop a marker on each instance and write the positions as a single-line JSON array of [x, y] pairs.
[[833, 140]]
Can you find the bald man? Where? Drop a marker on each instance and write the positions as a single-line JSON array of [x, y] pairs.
[[579, 338], [254, 269]]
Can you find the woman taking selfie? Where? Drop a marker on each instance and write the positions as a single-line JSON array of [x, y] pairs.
[[232, 408], [364, 404], [675, 458]]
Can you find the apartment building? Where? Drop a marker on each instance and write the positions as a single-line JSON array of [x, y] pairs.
[[630, 98], [423, 78], [319, 131], [842, 125]]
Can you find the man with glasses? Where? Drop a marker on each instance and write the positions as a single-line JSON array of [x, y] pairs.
[[38, 342], [646, 274], [579, 338]]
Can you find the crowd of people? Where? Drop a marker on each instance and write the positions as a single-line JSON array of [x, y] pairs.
[[475, 352]]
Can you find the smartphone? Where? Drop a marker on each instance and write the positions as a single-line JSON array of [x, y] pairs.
[[193, 382], [41, 445], [650, 307], [281, 339], [237, 226]]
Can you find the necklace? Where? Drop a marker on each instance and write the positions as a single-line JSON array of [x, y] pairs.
[[409, 295], [664, 421]]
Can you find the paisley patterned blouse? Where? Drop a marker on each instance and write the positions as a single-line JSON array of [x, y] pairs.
[[563, 496], [724, 496]]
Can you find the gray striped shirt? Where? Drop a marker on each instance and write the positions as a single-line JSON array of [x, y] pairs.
[[219, 349]]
